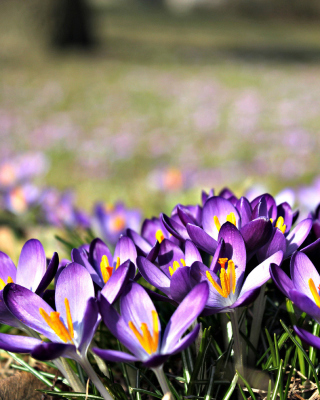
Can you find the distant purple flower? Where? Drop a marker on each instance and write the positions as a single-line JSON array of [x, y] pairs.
[[20, 199], [139, 329], [113, 221]]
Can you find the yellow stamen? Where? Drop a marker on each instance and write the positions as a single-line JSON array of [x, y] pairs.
[[148, 342], [183, 262], [69, 318], [271, 219], [232, 218], [215, 284], [224, 282], [56, 325], [232, 275], [314, 292], [175, 266], [118, 262], [2, 284], [280, 224], [222, 262], [159, 235], [9, 279], [217, 223], [105, 268]]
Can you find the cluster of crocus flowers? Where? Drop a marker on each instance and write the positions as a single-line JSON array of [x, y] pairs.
[[215, 256]]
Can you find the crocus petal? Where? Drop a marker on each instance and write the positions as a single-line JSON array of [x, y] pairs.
[[25, 305], [201, 239], [51, 351], [256, 234], [190, 308], [285, 211], [149, 229], [221, 208], [7, 268], [186, 340], [235, 248], [156, 360], [281, 279], [185, 216], [191, 253], [307, 337], [74, 284], [245, 210], [97, 250], [79, 258], [168, 253], [32, 265], [90, 324], [180, 284], [125, 250], [313, 253], [177, 230], [153, 253], [305, 304], [219, 253], [246, 298], [142, 245], [137, 307], [117, 281], [154, 275], [301, 270], [277, 242], [18, 343], [49, 274], [261, 274], [297, 236], [117, 326], [260, 210], [271, 205], [6, 316], [114, 355]]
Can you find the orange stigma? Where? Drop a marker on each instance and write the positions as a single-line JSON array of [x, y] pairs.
[[230, 218], [176, 265], [227, 278], [105, 268], [118, 223], [148, 342], [159, 235], [58, 327]]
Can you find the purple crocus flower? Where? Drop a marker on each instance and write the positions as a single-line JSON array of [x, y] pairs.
[[20, 199], [307, 337], [139, 329], [113, 221], [108, 272], [174, 268], [32, 273], [70, 327], [304, 286]]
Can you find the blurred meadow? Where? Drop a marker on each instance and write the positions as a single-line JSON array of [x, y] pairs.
[[165, 103]]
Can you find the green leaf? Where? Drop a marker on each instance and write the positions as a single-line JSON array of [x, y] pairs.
[[276, 386], [247, 386], [146, 392], [271, 347], [232, 386], [72, 395]]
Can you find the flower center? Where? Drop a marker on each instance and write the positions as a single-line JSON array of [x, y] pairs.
[[118, 223], [18, 200], [105, 268], [159, 235], [280, 224], [3, 284], [314, 292], [176, 265], [148, 342], [230, 218], [227, 278], [58, 327]]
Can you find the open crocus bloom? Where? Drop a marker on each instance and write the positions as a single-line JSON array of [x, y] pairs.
[[70, 327], [138, 327], [304, 286], [228, 287], [107, 271], [32, 273]]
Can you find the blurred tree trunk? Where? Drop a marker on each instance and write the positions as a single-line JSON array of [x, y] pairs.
[[72, 24]]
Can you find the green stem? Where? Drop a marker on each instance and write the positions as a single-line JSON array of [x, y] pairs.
[[237, 347], [162, 380], [70, 375]]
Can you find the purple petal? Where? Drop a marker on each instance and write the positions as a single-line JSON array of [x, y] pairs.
[[281, 279], [246, 298], [153, 254], [301, 270], [256, 234], [186, 340], [118, 280], [7, 268], [260, 210], [156, 360], [177, 230], [74, 284], [168, 253], [221, 208], [79, 258], [125, 250], [245, 210], [49, 274], [149, 229], [261, 274], [285, 211], [139, 241], [5, 315], [313, 252], [277, 242], [32, 265], [114, 355], [180, 284], [51, 351], [191, 253], [186, 216], [219, 253], [202, 239], [18, 343], [304, 303], [154, 275], [97, 250], [90, 324], [307, 337], [297, 236], [271, 205], [25, 305], [190, 308]]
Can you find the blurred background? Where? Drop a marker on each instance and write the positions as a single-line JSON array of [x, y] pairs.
[[149, 101]]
